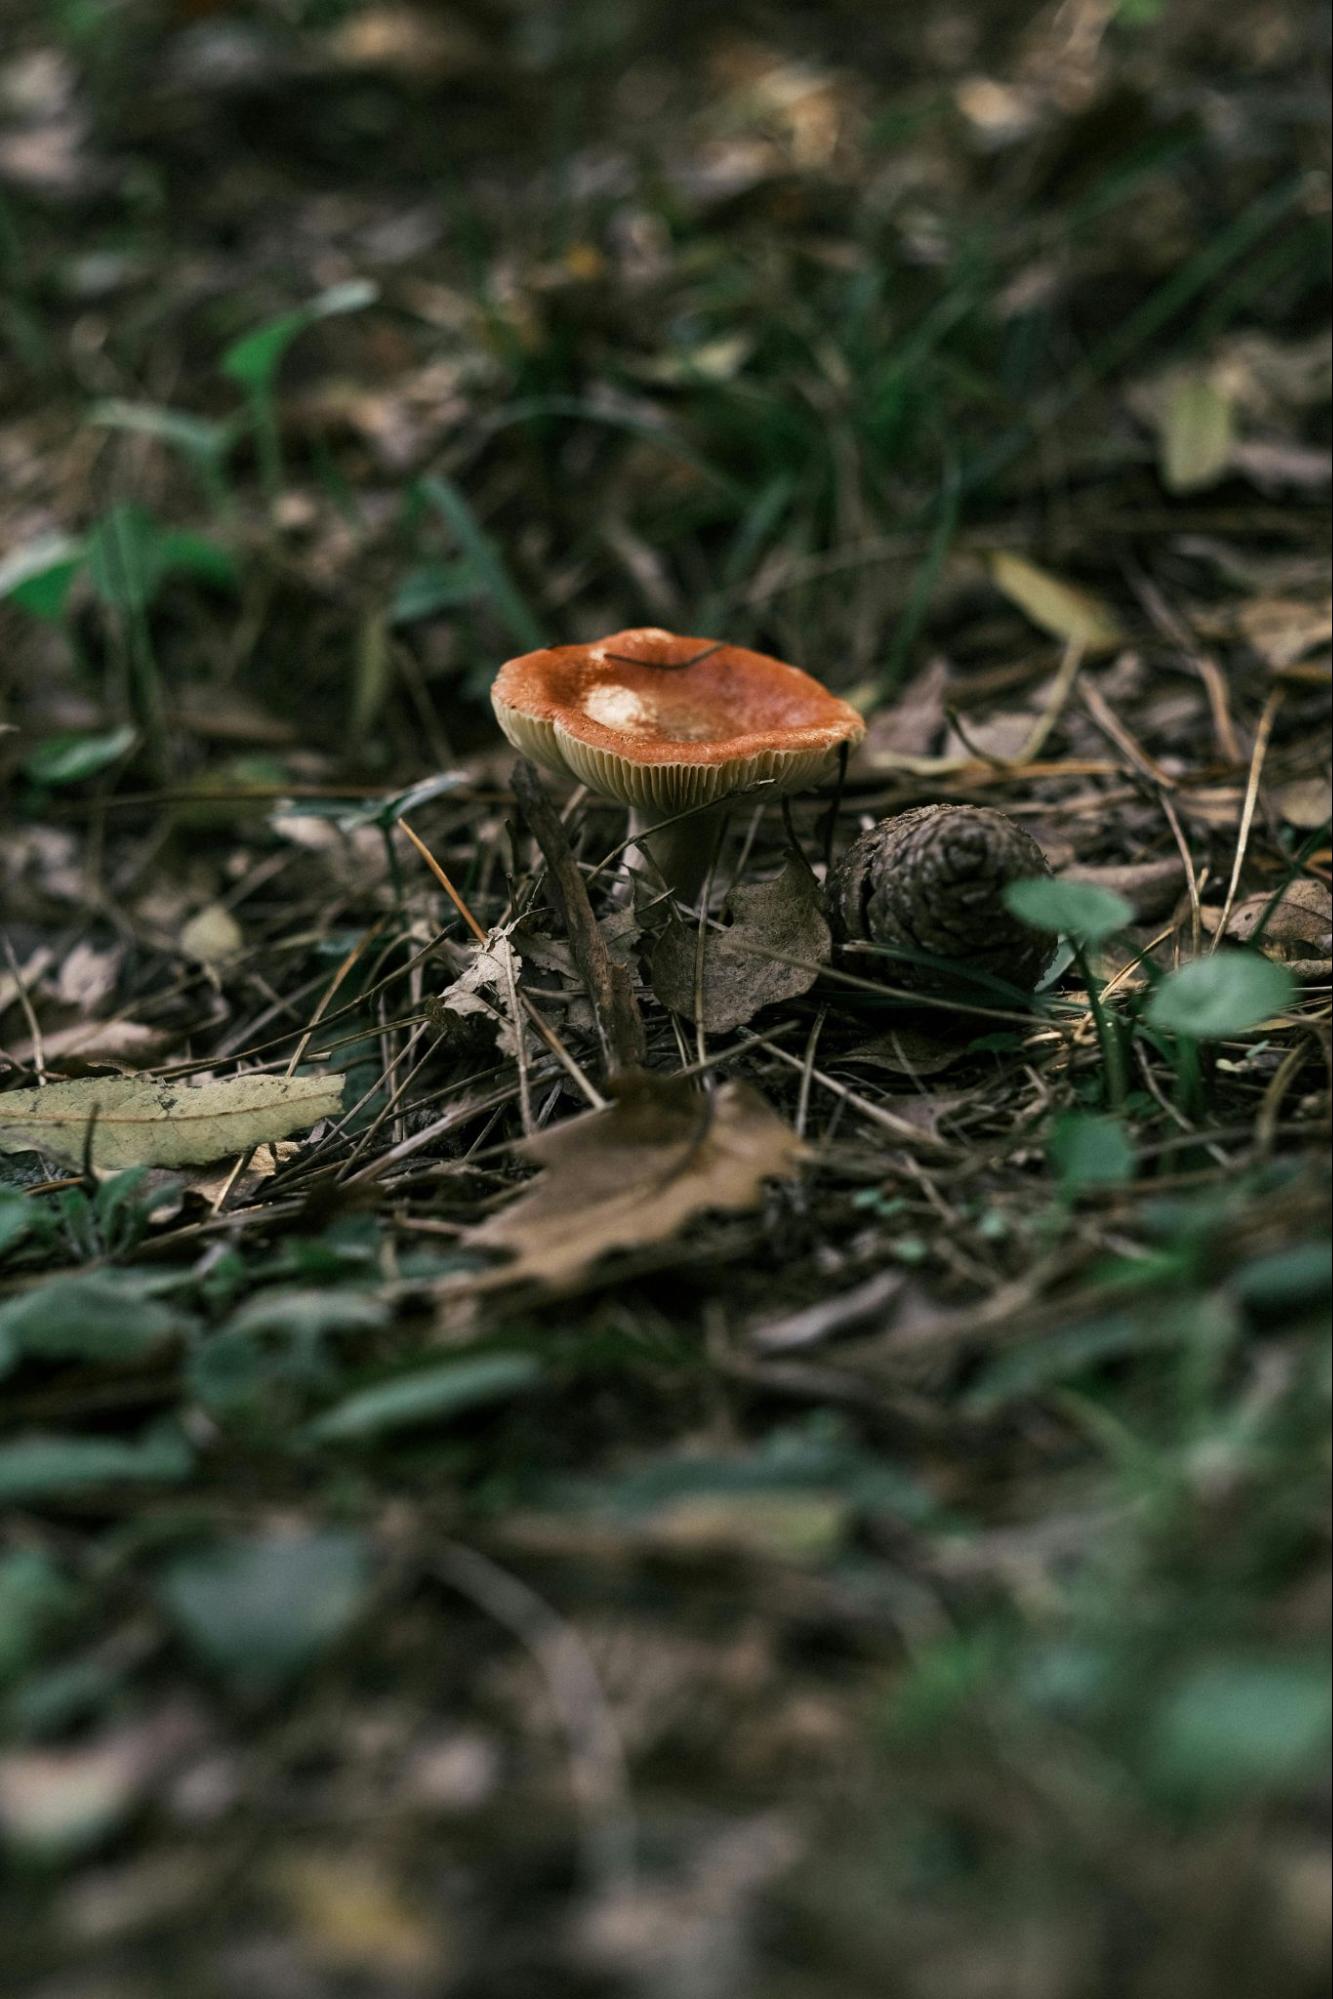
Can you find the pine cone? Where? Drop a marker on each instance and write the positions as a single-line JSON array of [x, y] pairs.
[[932, 880]]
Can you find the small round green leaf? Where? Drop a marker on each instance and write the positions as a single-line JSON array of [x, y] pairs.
[[1091, 1151], [1068, 909], [1228, 993]]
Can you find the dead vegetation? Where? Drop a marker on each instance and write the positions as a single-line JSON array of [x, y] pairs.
[[689, 1454]]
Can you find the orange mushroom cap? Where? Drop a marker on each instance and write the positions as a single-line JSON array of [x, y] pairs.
[[665, 723]]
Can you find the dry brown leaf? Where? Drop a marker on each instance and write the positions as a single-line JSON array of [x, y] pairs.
[[57, 1801], [1270, 378], [1299, 924], [1001, 737], [1283, 630], [783, 917], [1270, 463], [262, 1164], [408, 42], [91, 1044], [483, 988], [909, 1051], [1060, 608], [140, 1122], [636, 1173], [1152, 888], [912, 725], [1307, 802], [87, 977]]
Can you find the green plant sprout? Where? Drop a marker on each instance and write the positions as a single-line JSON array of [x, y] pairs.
[[1212, 998], [1086, 915], [253, 362]]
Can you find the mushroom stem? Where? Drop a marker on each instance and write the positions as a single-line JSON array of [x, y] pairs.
[[680, 851]]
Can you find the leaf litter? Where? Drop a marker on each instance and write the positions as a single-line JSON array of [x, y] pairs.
[[634, 1174], [926, 1466], [122, 1121], [722, 978]]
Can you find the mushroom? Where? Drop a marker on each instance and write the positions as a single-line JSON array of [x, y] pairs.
[[666, 724]]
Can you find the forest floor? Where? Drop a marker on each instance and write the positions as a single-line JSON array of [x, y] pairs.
[[860, 1528]]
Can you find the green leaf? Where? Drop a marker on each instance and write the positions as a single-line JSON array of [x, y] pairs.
[[130, 557], [428, 1395], [182, 554], [258, 1612], [255, 358], [1071, 909], [95, 1317], [810, 1456], [41, 1465], [33, 1596], [71, 758], [1062, 1356], [1287, 1280], [437, 586], [305, 1315], [39, 575], [381, 812], [123, 564], [1234, 1725], [486, 561], [195, 437], [21, 1218], [1090, 1151], [1227, 993]]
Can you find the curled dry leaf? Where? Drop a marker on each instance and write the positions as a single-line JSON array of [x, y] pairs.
[[636, 1173], [1298, 928], [777, 935], [482, 989], [139, 1122]]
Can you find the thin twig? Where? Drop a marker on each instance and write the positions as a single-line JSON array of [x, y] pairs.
[[609, 986], [1261, 740]]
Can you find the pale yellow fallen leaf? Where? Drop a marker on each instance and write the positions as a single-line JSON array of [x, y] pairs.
[[139, 1122], [1192, 412], [1058, 607], [213, 936], [352, 1917], [1195, 431]]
